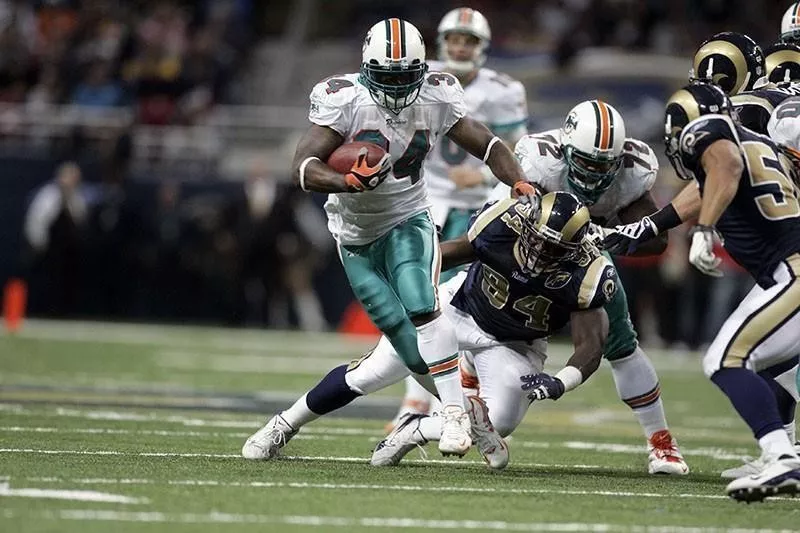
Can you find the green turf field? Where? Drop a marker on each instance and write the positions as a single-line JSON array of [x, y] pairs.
[[138, 428]]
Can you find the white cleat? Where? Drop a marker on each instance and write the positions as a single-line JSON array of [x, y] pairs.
[[749, 468], [781, 476], [665, 457], [265, 443], [455, 439], [403, 438], [490, 444], [752, 467]]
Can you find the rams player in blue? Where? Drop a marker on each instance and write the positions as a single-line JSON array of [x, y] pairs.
[[745, 196], [534, 270]]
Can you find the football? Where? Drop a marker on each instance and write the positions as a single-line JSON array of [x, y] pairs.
[[342, 159]]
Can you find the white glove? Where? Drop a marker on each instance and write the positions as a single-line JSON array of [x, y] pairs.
[[701, 253]]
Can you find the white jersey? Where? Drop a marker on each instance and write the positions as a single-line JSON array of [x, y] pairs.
[[541, 158], [784, 123], [499, 102], [345, 105]]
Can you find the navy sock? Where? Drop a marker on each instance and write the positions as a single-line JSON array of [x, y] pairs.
[[751, 397], [786, 403], [331, 392]]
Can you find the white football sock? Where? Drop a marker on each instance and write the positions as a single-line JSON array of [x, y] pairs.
[[431, 427], [438, 347], [637, 386], [776, 443], [298, 415]]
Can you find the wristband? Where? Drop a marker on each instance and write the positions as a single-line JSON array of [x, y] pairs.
[[494, 140], [570, 376], [303, 166], [666, 219]]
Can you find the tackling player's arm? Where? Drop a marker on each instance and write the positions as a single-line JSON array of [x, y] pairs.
[[723, 166], [630, 238], [457, 252], [476, 139], [640, 208], [589, 333]]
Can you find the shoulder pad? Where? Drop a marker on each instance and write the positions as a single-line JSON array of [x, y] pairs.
[[331, 99], [487, 215], [641, 162], [541, 158], [441, 87], [700, 133], [599, 284]]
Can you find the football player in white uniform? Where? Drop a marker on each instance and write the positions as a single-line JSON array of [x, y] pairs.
[[790, 24], [784, 122], [379, 215], [459, 183], [591, 157]]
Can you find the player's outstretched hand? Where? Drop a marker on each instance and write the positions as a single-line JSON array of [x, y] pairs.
[[363, 177], [624, 240], [542, 386]]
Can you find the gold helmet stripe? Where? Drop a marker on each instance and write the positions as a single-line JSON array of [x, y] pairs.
[[686, 101], [781, 56], [546, 210], [723, 48], [576, 222]]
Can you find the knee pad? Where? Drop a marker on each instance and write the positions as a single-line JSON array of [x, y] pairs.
[[376, 370]]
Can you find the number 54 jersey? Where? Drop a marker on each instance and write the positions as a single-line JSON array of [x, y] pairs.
[[761, 226], [511, 304], [542, 159], [343, 104]]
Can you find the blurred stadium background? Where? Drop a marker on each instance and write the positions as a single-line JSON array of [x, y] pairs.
[[145, 146]]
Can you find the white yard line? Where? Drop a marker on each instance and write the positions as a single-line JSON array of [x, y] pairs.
[[70, 495], [100, 515], [328, 434], [369, 487], [333, 459]]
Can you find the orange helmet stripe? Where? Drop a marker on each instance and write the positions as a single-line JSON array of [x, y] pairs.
[[605, 126], [465, 17], [394, 24], [797, 13]]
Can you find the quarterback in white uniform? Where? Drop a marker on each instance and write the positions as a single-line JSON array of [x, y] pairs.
[[459, 183], [591, 157], [379, 214]]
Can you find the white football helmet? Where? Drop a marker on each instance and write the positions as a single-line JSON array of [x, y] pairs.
[[471, 22], [790, 24], [592, 140], [393, 63]]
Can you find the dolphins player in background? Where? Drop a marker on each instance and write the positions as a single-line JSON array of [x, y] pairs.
[[591, 157]]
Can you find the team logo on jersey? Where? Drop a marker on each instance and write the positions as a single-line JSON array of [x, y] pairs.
[[571, 123], [557, 280], [314, 107], [609, 288], [390, 121], [689, 140]]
